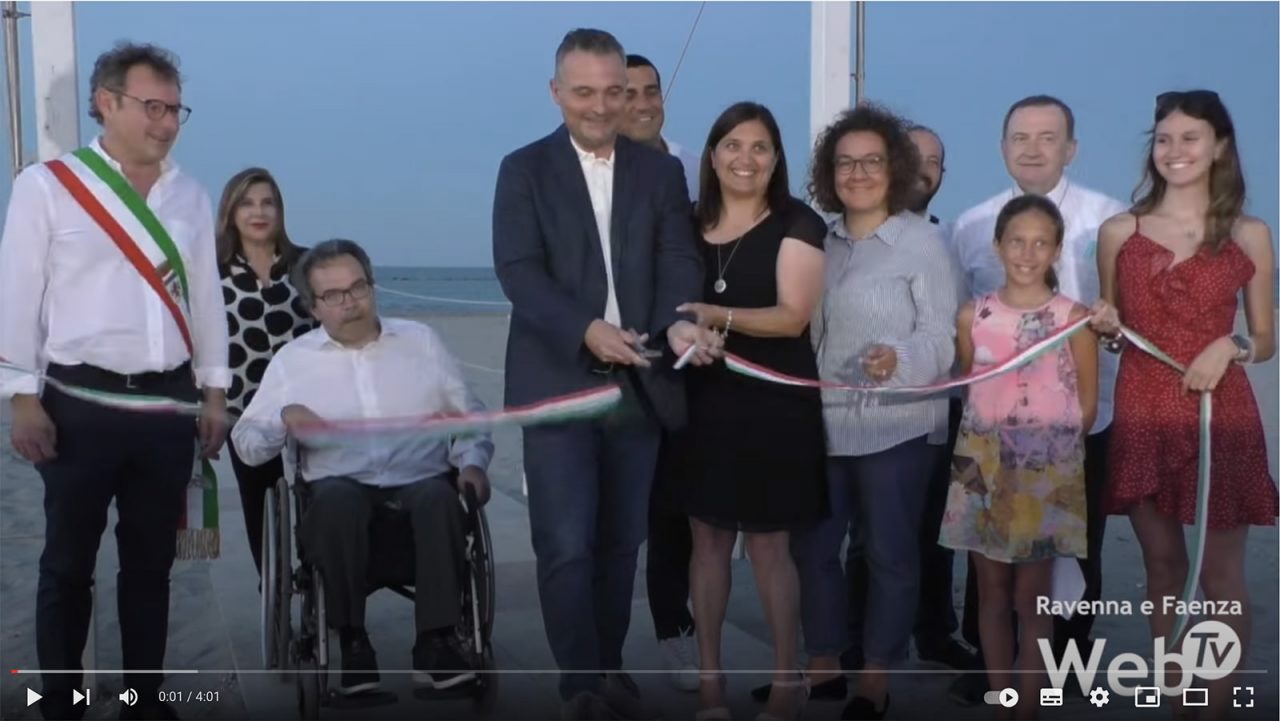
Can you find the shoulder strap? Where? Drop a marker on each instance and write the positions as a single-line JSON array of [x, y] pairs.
[[82, 195]]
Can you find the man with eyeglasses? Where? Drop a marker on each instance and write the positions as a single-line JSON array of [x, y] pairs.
[[361, 368], [108, 278], [1038, 143]]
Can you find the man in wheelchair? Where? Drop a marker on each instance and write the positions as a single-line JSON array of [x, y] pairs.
[[359, 367]]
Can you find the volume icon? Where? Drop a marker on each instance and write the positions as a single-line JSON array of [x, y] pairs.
[[129, 696]]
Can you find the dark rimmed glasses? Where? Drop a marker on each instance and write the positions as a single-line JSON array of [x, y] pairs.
[[157, 109]]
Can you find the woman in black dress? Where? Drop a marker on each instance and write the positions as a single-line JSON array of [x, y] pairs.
[[264, 312], [753, 455]]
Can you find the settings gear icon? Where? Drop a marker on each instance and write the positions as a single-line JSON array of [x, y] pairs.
[[1099, 697]]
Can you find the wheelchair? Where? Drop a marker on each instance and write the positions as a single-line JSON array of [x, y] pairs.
[[302, 650]]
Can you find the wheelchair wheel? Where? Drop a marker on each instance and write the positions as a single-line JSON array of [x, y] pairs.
[[284, 575], [482, 563], [308, 688], [321, 632], [485, 695], [270, 542]]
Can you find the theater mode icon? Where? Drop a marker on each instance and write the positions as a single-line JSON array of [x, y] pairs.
[[1050, 697]]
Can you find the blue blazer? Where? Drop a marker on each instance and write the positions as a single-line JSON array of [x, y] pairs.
[[548, 259]]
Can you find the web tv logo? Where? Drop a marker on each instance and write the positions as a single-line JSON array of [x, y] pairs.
[[1211, 650]]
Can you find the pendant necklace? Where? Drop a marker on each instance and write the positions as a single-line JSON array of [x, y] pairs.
[[720, 286]]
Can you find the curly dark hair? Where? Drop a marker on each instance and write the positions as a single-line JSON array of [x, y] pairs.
[[111, 67], [903, 158]]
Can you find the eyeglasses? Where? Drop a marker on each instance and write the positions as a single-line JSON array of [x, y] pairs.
[[334, 297], [1177, 97], [157, 109], [871, 165]]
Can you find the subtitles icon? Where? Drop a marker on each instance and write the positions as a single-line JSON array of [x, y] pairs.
[[1146, 697], [1195, 697], [1050, 697]]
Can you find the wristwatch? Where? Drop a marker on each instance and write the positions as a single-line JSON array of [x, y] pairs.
[[1244, 348]]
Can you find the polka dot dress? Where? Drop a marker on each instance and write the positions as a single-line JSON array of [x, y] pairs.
[[260, 320], [1155, 437]]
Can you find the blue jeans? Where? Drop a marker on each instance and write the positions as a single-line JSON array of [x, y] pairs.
[[589, 488], [882, 495]]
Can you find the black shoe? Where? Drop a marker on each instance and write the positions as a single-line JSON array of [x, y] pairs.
[[439, 663], [969, 689], [851, 660], [148, 710], [860, 709], [359, 665], [950, 653], [833, 689]]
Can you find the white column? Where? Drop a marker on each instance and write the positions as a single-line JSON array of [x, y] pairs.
[[829, 71], [57, 91]]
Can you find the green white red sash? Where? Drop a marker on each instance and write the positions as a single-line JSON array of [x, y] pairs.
[[111, 201], [124, 216]]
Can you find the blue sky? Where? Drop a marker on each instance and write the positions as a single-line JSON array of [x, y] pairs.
[[386, 122]]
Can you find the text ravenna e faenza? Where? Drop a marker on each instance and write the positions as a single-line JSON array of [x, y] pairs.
[[1168, 604]]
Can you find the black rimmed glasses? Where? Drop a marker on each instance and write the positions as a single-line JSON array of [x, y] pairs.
[[157, 109], [358, 291], [872, 165]]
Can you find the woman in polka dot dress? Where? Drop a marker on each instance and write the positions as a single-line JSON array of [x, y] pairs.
[[1171, 270], [263, 313]]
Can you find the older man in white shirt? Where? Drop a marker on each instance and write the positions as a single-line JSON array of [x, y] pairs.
[[359, 367], [1038, 142]]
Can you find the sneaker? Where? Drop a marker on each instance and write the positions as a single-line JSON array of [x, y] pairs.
[[585, 706], [439, 663], [833, 689], [622, 696], [680, 657], [969, 689], [359, 665], [951, 654]]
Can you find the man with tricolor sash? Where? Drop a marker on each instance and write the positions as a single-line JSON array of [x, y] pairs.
[[110, 289]]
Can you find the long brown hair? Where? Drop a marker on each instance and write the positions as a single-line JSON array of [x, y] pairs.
[[1226, 180], [225, 230]]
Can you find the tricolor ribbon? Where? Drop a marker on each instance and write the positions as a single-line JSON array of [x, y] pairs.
[[744, 367]]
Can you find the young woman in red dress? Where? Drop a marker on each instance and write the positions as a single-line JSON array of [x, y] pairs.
[[1171, 269]]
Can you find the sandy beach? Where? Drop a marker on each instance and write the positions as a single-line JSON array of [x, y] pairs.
[[214, 616]]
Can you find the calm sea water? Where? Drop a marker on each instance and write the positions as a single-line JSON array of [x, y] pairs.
[[467, 284]]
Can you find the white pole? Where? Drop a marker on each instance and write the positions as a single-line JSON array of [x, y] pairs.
[[860, 68], [828, 63], [57, 98], [53, 50]]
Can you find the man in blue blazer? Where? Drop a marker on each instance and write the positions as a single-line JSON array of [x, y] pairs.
[[593, 245]]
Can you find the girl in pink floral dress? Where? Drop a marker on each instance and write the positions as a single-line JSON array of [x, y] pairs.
[[1016, 500]]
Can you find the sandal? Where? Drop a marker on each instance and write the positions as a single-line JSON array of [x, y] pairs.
[[715, 713], [802, 682]]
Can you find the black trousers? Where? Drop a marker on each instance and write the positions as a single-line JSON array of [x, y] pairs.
[[254, 482], [144, 462], [1081, 624], [669, 550], [336, 534]]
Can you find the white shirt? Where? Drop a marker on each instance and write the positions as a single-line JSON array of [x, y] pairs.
[[599, 176], [70, 296], [692, 166], [1084, 211], [405, 372]]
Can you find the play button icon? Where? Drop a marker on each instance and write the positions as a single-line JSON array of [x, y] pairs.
[[1008, 698], [32, 697]]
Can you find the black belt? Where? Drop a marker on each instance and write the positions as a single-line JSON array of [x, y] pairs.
[[104, 380]]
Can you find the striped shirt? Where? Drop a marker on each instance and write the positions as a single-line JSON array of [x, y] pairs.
[[898, 287]]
